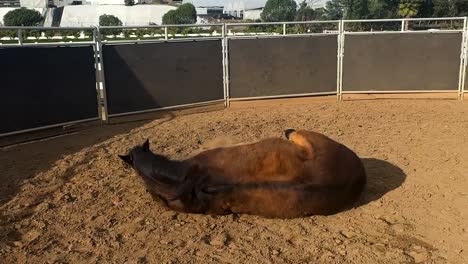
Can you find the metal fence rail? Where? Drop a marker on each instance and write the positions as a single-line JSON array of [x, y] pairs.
[[295, 52]]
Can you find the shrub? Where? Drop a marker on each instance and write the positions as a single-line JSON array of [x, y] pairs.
[[279, 10], [184, 14], [187, 14], [170, 18], [110, 21], [22, 17], [129, 2]]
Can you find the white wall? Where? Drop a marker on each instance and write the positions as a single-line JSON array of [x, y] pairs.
[[138, 15], [34, 3], [252, 14], [106, 2]]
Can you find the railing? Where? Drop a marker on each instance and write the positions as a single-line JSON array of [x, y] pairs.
[[332, 69]]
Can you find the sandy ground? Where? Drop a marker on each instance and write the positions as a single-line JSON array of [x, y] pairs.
[[71, 200]]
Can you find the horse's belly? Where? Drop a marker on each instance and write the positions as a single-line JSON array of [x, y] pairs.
[[285, 203]]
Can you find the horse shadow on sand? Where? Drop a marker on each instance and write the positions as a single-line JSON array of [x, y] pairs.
[[382, 177]]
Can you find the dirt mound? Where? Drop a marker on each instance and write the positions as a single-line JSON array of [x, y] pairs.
[[71, 200]]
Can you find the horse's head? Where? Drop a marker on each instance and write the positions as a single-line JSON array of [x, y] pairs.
[[130, 156]]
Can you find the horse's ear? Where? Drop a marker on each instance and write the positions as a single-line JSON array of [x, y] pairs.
[[126, 158], [146, 145]]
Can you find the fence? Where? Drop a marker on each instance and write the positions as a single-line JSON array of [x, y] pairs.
[[105, 72]]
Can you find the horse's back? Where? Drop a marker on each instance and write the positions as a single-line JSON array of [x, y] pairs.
[[311, 175]]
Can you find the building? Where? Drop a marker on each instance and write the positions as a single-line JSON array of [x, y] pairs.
[[9, 3], [207, 8], [252, 14], [251, 9]]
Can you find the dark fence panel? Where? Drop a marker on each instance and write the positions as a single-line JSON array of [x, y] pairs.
[[46, 86], [401, 62], [149, 76], [282, 66]]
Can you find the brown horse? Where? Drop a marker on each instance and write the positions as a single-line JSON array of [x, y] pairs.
[[308, 174]]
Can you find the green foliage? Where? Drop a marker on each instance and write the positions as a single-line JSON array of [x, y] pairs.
[[379, 9], [446, 8], [335, 9], [357, 9], [110, 21], [320, 14], [147, 31], [279, 10], [306, 13], [426, 8], [8, 33], [170, 18], [265, 28], [187, 14], [22, 17], [31, 33], [184, 14], [408, 8], [129, 2]]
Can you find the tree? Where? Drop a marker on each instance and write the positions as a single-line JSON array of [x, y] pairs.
[[187, 14], [320, 14], [462, 8], [109, 21], [184, 14], [450, 8], [426, 9], [408, 8], [335, 9], [129, 2], [357, 9], [22, 17], [444, 8], [379, 9], [170, 18], [305, 13], [279, 10]]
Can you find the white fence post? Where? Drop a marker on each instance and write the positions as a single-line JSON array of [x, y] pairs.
[[20, 36], [341, 38], [463, 61], [102, 80], [226, 61], [223, 51], [338, 60]]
